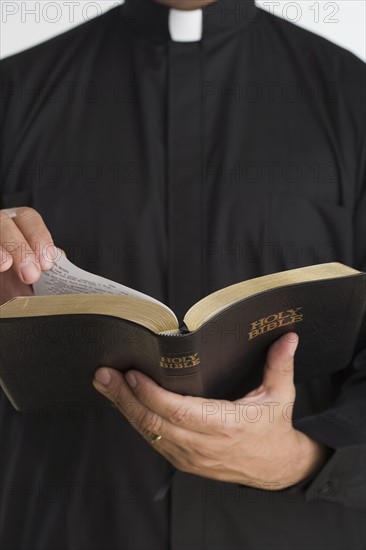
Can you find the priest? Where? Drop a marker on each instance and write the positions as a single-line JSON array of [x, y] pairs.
[[178, 147]]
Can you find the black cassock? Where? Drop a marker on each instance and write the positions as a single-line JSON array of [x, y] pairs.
[[178, 168]]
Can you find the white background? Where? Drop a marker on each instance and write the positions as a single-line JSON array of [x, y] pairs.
[[25, 23]]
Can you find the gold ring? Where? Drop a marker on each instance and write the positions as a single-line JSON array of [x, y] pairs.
[[154, 439]]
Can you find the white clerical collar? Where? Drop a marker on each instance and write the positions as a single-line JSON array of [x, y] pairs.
[[185, 25]]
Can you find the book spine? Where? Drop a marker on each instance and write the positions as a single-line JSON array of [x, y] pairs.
[[180, 364]]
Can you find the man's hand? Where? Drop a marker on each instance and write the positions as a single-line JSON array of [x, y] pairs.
[[26, 249], [249, 441]]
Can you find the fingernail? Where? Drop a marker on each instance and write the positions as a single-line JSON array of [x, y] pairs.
[[103, 376], [53, 252], [29, 272], [131, 379]]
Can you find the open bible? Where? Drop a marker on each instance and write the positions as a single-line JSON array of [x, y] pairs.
[[53, 342]]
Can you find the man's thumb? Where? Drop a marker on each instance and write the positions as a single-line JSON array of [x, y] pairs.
[[279, 367]]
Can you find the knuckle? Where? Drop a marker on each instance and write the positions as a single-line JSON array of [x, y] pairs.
[[206, 454], [13, 248], [190, 465], [151, 422], [287, 367], [27, 213], [184, 464], [131, 410], [203, 455], [6, 227], [183, 467], [205, 463], [180, 415], [34, 222], [177, 462], [36, 235], [114, 393], [4, 218]]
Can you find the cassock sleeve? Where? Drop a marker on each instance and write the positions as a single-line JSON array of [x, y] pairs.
[[342, 427]]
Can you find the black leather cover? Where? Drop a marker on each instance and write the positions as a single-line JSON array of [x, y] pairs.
[[49, 360]]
